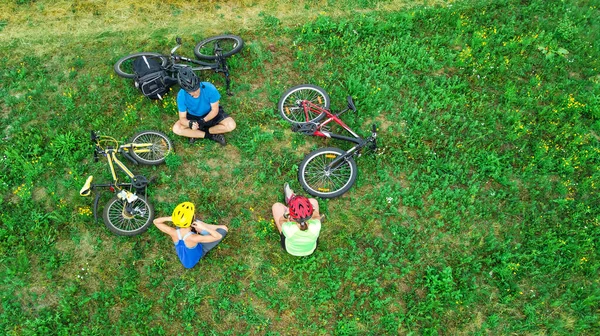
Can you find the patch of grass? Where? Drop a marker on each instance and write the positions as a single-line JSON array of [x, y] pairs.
[[478, 214]]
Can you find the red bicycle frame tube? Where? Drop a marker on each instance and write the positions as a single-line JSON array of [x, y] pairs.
[[310, 107]]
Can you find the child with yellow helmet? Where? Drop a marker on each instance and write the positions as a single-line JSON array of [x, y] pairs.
[[192, 238]]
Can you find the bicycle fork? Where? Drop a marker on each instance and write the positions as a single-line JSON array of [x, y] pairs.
[[340, 159]]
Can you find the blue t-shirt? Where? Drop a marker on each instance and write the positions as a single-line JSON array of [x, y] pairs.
[[198, 106]]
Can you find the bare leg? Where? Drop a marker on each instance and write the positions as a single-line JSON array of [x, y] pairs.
[[315, 205], [278, 211], [187, 132], [214, 227], [225, 126]]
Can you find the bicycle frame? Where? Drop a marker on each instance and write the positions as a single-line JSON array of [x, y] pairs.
[[330, 117], [308, 106], [138, 182], [220, 64]]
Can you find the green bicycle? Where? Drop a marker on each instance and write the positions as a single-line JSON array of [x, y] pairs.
[[128, 213]]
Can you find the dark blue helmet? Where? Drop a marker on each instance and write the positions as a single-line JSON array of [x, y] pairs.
[[188, 80]]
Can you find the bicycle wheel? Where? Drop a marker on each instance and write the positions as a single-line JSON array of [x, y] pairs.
[[128, 219], [229, 44], [290, 108], [124, 66], [159, 147], [318, 180]]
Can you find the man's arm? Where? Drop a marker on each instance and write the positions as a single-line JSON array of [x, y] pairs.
[[214, 110], [185, 122]]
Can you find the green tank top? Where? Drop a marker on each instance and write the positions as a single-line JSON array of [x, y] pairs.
[[301, 243]]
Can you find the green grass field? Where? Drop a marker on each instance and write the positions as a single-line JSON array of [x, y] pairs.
[[478, 215]]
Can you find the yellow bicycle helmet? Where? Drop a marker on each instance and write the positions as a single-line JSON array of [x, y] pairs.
[[183, 215]]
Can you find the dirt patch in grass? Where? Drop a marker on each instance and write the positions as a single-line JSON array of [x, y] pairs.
[[222, 165], [93, 259], [40, 195], [39, 292], [384, 123]]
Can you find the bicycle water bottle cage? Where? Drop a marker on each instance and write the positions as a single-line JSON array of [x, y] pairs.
[[305, 128], [139, 182]]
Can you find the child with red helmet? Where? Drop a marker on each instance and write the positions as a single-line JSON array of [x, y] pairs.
[[298, 222]]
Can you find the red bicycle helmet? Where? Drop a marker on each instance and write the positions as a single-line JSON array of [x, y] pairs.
[[300, 208]]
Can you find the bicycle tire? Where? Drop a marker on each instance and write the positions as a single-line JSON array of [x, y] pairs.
[[161, 147], [290, 110], [128, 224], [231, 44], [123, 69], [317, 182]]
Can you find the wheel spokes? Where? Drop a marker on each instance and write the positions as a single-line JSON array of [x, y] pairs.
[[326, 180], [224, 44], [124, 220], [293, 108], [157, 151]]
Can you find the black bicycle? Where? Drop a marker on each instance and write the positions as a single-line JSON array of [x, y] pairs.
[[213, 52]]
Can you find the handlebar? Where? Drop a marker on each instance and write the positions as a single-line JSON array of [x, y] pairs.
[[174, 49], [178, 40], [373, 137], [94, 138]]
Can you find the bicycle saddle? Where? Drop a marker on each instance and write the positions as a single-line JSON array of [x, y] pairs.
[[351, 104]]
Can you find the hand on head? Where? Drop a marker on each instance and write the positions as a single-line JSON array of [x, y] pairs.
[[199, 225]]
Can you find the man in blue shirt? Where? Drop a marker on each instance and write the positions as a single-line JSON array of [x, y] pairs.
[[200, 115]]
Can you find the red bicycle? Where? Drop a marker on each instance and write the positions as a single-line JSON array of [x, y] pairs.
[[326, 172]]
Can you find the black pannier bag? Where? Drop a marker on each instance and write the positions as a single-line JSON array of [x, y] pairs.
[[151, 78]]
